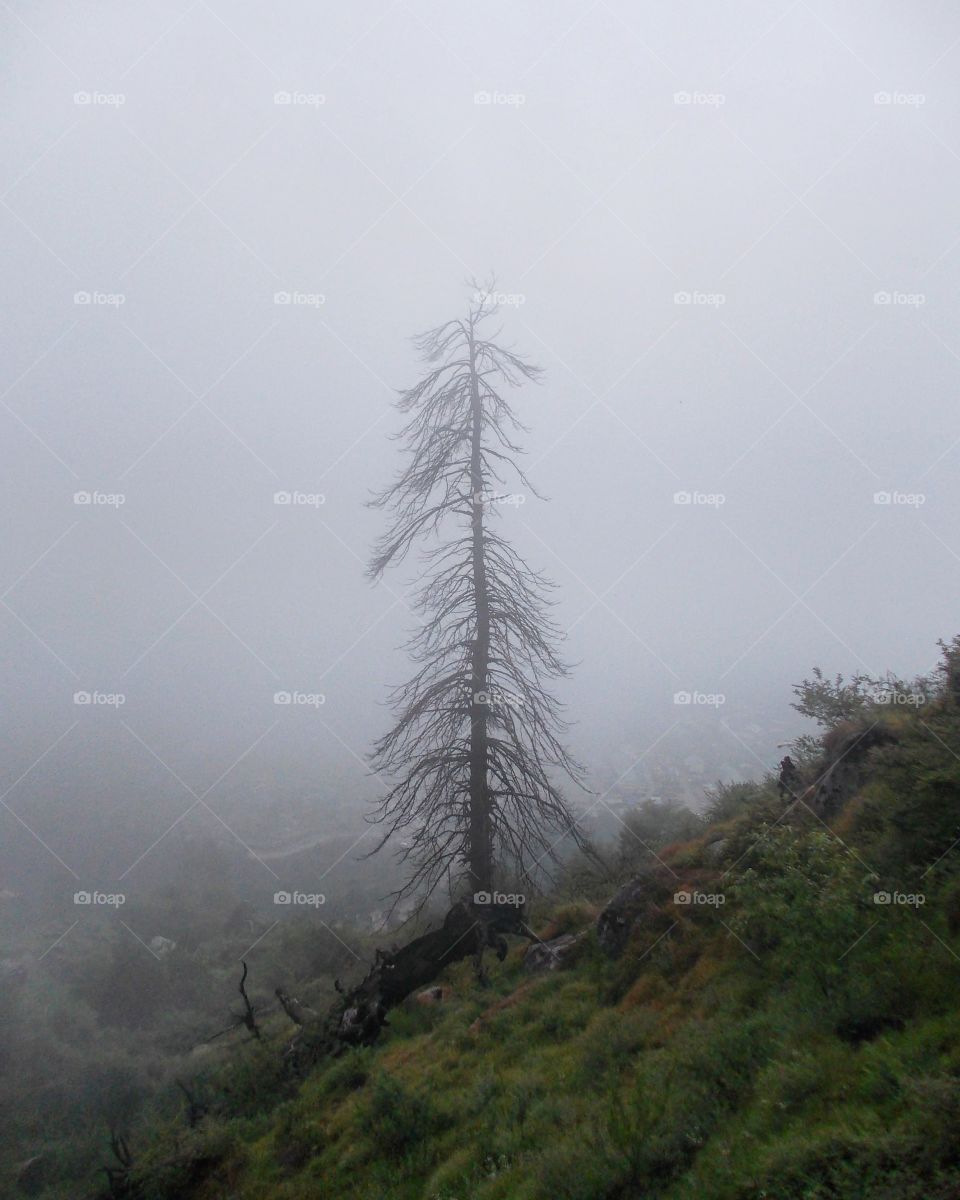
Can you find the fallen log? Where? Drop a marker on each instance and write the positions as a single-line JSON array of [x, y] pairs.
[[361, 1012]]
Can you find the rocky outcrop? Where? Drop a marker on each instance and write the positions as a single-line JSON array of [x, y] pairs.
[[548, 956], [639, 902], [847, 750], [714, 851]]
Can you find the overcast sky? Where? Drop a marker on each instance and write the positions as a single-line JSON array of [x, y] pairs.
[[729, 232]]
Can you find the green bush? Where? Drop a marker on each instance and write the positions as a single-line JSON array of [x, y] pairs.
[[800, 902], [728, 800]]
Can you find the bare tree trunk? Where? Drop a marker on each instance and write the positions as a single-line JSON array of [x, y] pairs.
[[249, 1017], [299, 1013], [481, 834], [361, 1012], [477, 734]]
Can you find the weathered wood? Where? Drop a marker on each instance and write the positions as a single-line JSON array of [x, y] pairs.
[[300, 1014], [361, 1012], [480, 845], [248, 1018]]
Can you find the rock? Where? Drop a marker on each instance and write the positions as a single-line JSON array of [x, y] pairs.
[[434, 995], [848, 747], [31, 1175], [638, 902], [548, 956], [716, 850]]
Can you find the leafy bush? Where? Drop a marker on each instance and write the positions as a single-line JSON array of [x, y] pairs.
[[800, 903], [916, 793], [728, 800], [652, 825]]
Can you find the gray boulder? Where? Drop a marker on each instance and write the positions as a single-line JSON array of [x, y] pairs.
[[716, 850], [639, 902], [549, 956]]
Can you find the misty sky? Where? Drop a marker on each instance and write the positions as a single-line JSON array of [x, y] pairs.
[[729, 232]]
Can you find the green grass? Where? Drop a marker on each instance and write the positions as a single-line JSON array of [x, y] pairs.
[[565, 1096], [802, 1043]]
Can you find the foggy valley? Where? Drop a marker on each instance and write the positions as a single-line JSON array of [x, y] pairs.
[[480, 483]]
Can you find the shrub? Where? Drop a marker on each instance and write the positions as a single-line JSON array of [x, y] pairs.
[[801, 903], [728, 800], [654, 824]]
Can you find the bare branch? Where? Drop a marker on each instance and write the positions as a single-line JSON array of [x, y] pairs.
[[477, 746]]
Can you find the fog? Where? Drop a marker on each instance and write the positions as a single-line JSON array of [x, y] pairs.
[[727, 231]]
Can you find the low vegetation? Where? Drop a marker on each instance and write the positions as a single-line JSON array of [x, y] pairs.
[[783, 1020]]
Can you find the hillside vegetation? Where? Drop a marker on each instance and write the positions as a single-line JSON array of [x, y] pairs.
[[771, 1008]]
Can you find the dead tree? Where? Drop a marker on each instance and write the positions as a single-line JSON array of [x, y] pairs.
[[118, 1178], [196, 1109], [300, 1014], [311, 1037], [361, 1012], [478, 738], [248, 1017]]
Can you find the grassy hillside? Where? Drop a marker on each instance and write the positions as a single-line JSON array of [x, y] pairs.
[[786, 1032]]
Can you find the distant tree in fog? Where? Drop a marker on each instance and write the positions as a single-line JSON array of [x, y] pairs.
[[478, 738]]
